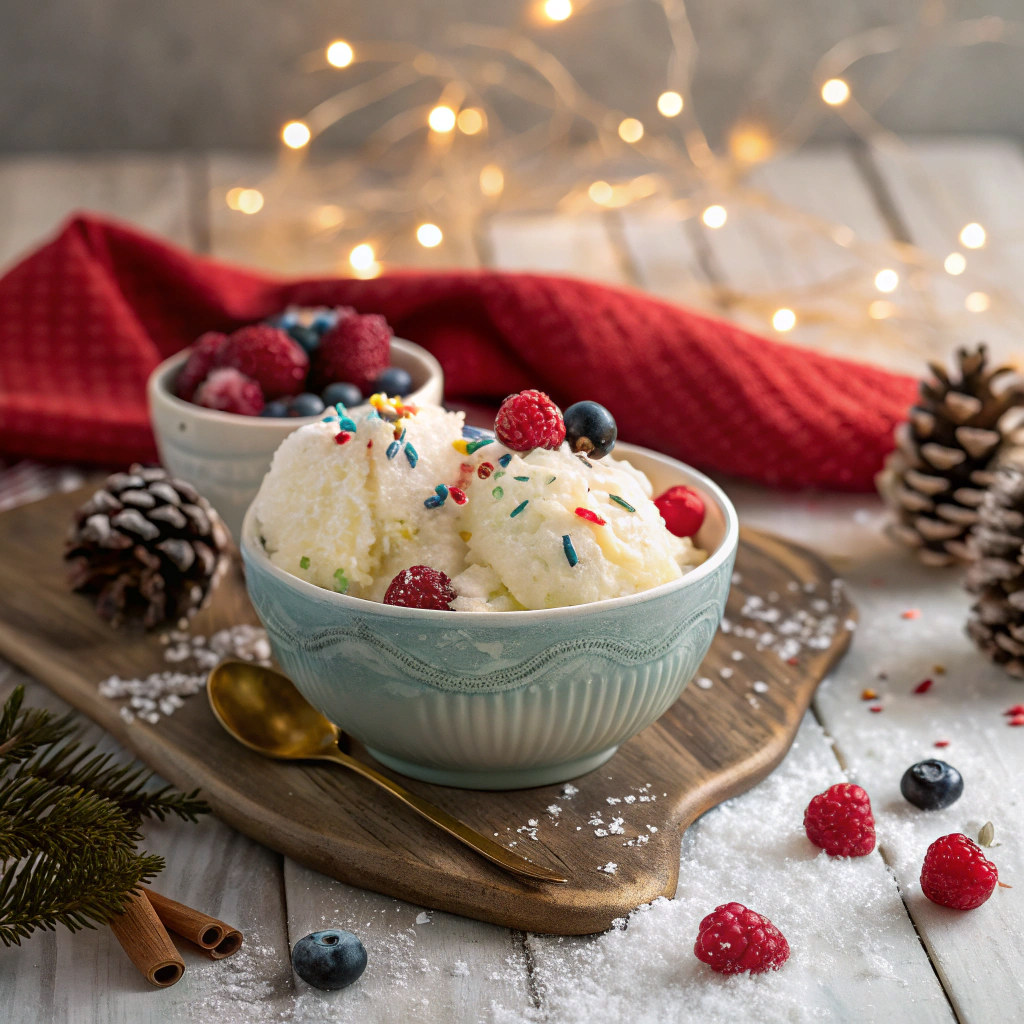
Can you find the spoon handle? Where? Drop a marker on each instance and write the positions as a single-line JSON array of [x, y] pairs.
[[487, 848]]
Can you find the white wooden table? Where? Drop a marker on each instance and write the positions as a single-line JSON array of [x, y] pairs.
[[867, 946]]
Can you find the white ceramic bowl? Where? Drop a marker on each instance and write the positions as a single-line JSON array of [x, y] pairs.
[[225, 456]]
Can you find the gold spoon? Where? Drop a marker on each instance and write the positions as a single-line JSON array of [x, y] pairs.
[[262, 709]]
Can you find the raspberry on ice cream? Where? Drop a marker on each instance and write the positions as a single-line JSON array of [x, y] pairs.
[[267, 355], [733, 939], [227, 390], [203, 357], [957, 874], [682, 508], [356, 349], [840, 821], [421, 587], [529, 420]]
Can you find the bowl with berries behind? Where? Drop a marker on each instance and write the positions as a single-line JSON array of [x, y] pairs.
[[221, 407]]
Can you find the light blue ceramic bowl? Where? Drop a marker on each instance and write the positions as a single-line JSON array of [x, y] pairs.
[[504, 700]]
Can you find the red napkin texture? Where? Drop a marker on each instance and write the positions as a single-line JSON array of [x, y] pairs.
[[85, 319]]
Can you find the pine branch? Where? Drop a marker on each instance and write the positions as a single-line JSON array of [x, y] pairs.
[[23, 732]]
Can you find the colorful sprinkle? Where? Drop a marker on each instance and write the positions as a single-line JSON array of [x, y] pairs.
[[570, 552], [369, 444], [441, 491], [499, 474], [875, 708], [1017, 709], [939, 670], [304, 562], [591, 517], [340, 409], [519, 508], [911, 613], [942, 743], [458, 495], [505, 460], [924, 686], [1016, 720], [552, 480], [340, 581], [461, 446], [434, 501], [347, 423], [868, 695], [484, 470], [498, 493], [465, 535], [474, 446], [342, 437], [522, 478], [399, 435], [622, 501], [412, 455], [393, 450], [329, 419], [586, 462]]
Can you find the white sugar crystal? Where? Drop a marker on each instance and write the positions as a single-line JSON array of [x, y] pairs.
[[613, 800], [760, 687], [532, 822], [631, 799], [610, 868], [600, 831], [423, 917], [569, 791], [704, 683], [615, 828], [737, 577], [554, 810], [725, 673], [126, 714]]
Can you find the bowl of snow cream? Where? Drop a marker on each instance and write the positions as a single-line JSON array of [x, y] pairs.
[[486, 610], [220, 408]]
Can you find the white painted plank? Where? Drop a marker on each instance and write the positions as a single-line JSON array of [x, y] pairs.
[[38, 192], [854, 954]]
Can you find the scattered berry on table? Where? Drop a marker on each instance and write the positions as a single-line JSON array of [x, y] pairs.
[[270, 357], [733, 939], [306, 404], [932, 785], [329, 960], [957, 874], [201, 360], [341, 391], [421, 587], [276, 409], [307, 337], [590, 429], [393, 381], [682, 508], [356, 349], [228, 390], [529, 420], [840, 821]]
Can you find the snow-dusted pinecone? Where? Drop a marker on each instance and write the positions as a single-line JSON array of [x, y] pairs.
[[147, 544], [946, 453]]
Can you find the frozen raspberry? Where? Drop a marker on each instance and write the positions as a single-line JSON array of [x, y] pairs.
[[421, 587], [840, 821], [356, 349], [269, 357], [733, 939], [957, 874], [682, 508], [203, 357], [529, 420], [228, 390]]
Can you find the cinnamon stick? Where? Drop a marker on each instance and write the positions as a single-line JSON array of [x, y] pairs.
[[212, 937], [147, 943]]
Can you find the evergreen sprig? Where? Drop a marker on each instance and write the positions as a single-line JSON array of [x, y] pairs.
[[69, 825]]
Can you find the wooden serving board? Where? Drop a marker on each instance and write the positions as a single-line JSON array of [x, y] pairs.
[[712, 744]]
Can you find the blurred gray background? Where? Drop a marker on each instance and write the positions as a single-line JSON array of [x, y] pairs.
[[82, 75]]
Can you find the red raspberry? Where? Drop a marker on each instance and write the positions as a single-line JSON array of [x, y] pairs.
[[230, 391], [529, 420], [203, 357], [356, 349], [957, 874], [421, 587], [840, 821], [733, 939], [269, 357], [682, 508]]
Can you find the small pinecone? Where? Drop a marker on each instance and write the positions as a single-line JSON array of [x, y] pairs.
[[945, 456], [148, 544], [996, 577]]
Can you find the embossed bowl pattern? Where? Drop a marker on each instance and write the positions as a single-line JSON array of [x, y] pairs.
[[506, 700]]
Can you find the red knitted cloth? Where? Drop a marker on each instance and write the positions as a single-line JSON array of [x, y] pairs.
[[86, 318]]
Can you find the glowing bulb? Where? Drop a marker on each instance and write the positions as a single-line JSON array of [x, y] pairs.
[[783, 319], [328, 216], [887, 280], [362, 257], [601, 192], [442, 119], [956, 263], [492, 180], [670, 104], [631, 130], [714, 216], [296, 134], [470, 121], [750, 143], [977, 302], [250, 200], [835, 92], [339, 53], [972, 236], [558, 10], [843, 235], [881, 309], [233, 196], [429, 235]]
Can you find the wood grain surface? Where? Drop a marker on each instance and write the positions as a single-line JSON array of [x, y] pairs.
[[712, 744]]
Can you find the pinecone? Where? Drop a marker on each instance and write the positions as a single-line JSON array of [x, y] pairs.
[[946, 455], [148, 544], [996, 622]]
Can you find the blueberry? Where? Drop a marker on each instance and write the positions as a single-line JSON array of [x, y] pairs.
[[329, 960], [590, 429], [308, 338], [305, 404], [394, 381], [324, 320], [932, 785], [348, 394], [275, 409]]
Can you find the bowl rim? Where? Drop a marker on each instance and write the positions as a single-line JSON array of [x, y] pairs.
[[158, 388], [252, 549]]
